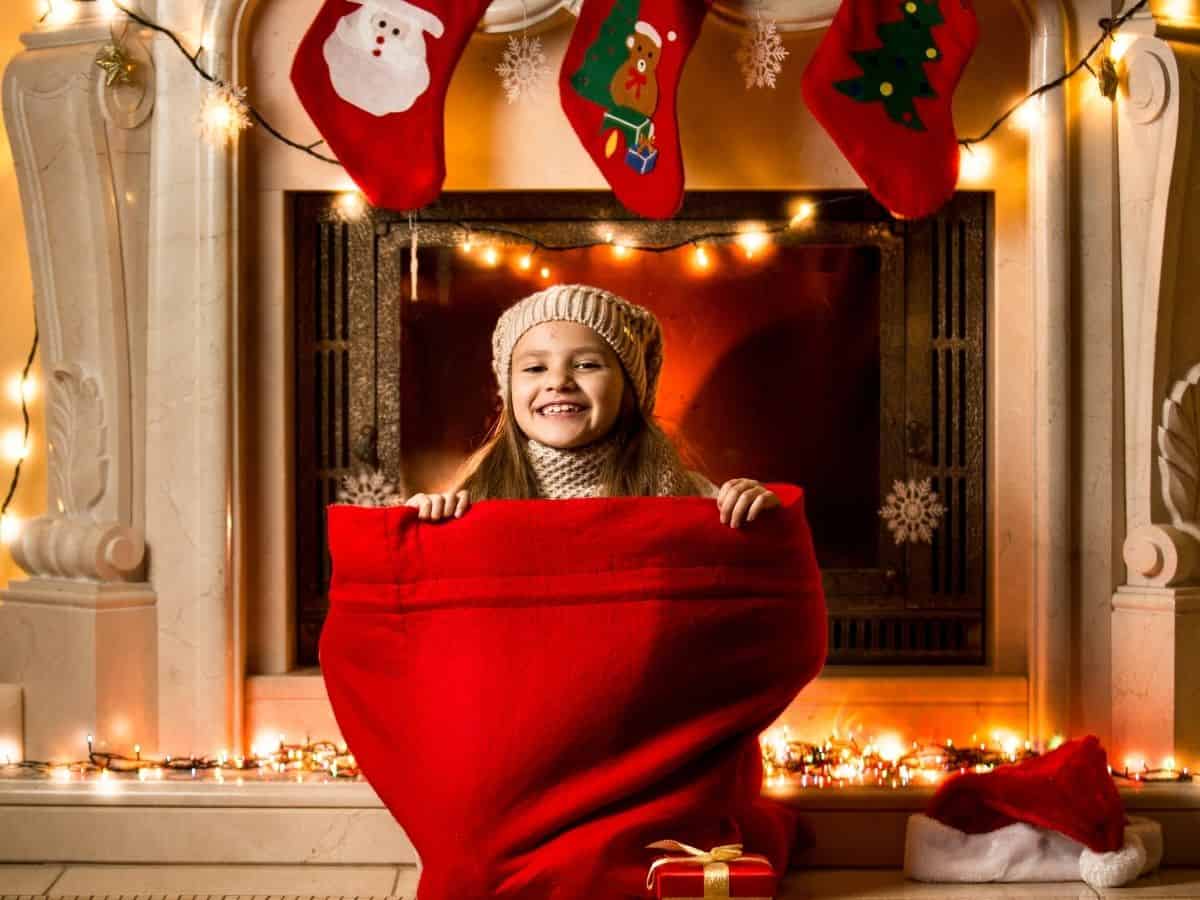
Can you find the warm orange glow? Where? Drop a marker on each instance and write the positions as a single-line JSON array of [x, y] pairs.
[[620, 251], [491, 256], [526, 262], [753, 242], [804, 213], [545, 273], [1176, 9], [1028, 114], [889, 747], [350, 205], [974, 163], [61, 12], [15, 385], [701, 258], [466, 246], [15, 446], [1119, 44]]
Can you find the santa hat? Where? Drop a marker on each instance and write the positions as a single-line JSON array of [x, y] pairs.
[[649, 31], [1056, 817]]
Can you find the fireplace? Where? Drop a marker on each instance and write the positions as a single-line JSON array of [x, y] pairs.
[[844, 354], [165, 299]]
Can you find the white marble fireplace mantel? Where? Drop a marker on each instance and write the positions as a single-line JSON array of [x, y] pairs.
[[138, 242]]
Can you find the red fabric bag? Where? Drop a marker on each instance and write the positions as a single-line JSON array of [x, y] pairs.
[[541, 688]]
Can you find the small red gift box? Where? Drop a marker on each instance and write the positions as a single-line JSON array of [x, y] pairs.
[[721, 872]]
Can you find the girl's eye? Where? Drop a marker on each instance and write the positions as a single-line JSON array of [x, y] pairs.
[[589, 365], [533, 368]]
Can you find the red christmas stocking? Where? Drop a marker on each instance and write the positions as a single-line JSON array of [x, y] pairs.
[[373, 75], [618, 84], [881, 83]]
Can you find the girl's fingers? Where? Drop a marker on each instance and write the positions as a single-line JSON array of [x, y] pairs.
[[463, 499], [760, 502], [726, 505], [423, 506], [743, 503]]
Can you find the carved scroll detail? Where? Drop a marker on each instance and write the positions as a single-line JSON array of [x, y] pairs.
[[76, 434], [58, 547], [1179, 453]]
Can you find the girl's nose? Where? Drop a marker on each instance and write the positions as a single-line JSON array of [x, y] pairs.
[[562, 378]]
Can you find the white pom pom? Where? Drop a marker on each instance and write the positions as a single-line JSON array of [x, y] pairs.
[[1107, 870]]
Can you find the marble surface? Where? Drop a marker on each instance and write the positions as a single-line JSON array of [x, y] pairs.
[[16, 879], [373, 881], [217, 837], [400, 882]]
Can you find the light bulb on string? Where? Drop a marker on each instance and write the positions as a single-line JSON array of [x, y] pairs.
[[545, 273], [16, 447], [753, 242], [1178, 10], [18, 386], [1118, 45], [805, 211], [60, 12], [350, 205], [10, 529], [620, 251], [974, 162], [1028, 114], [491, 256], [526, 262], [700, 258]]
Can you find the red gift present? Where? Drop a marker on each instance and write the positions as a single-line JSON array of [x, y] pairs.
[[721, 872]]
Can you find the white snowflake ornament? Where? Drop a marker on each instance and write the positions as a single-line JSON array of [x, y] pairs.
[[762, 53], [224, 113], [523, 68], [912, 511], [368, 489]]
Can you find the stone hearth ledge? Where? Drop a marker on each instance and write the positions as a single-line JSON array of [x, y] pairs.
[[346, 823]]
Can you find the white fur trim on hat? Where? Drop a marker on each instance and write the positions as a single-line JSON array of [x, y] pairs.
[[632, 331], [1020, 852], [1108, 870], [649, 31]]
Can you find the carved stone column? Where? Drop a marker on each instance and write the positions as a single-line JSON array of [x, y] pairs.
[[79, 635], [1156, 613]]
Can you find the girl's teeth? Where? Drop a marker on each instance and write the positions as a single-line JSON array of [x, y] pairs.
[[560, 410]]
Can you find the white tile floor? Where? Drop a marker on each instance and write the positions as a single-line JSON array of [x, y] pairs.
[[363, 882]]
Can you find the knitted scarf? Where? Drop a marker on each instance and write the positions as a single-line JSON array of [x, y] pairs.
[[564, 474]]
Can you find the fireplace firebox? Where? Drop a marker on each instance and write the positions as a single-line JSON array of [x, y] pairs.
[[844, 354]]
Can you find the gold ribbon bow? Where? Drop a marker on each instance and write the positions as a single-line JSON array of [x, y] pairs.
[[715, 862]]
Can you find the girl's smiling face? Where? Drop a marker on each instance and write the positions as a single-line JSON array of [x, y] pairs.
[[566, 385]]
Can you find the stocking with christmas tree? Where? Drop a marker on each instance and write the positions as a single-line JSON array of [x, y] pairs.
[[618, 84], [373, 76], [881, 83]]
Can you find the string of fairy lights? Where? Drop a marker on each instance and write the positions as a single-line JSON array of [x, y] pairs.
[[839, 761], [891, 762], [278, 761], [788, 763]]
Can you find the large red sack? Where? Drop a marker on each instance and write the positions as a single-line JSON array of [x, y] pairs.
[[541, 688]]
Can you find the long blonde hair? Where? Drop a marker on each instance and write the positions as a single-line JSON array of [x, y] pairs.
[[500, 468]]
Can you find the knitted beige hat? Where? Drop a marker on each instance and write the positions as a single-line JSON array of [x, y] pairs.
[[631, 330]]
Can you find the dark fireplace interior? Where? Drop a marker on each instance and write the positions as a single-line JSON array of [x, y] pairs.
[[844, 354]]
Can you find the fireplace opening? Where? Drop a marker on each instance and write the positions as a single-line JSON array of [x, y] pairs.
[[844, 354]]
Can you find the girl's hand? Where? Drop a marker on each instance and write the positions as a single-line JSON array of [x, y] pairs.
[[741, 499], [434, 507]]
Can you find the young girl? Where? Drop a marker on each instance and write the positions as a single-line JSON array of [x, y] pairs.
[[577, 369]]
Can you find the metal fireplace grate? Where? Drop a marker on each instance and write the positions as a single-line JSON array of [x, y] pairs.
[[361, 343]]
